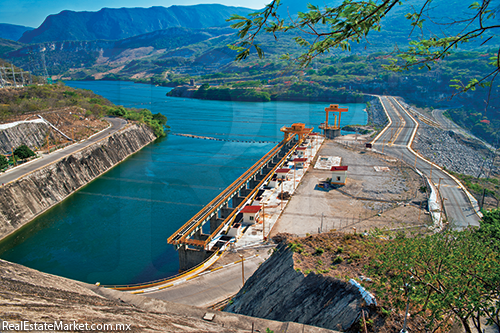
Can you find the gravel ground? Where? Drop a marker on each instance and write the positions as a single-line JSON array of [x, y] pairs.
[[453, 151], [358, 205]]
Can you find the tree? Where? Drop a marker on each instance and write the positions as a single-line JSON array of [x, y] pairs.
[[23, 152], [161, 119], [449, 274], [490, 228], [3, 162], [351, 21]]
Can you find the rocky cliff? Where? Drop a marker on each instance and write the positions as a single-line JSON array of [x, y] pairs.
[[277, 291], [25, 198]]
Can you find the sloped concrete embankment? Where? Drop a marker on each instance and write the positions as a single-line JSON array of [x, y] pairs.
[[277, 292], [27, 197]]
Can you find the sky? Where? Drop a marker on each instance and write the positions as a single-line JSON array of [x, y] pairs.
[[32, 13]]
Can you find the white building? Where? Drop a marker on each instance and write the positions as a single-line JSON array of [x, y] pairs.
[[339, 174], [250, 214], [299, 162], [235, 230], [282, 173], [301, 151]]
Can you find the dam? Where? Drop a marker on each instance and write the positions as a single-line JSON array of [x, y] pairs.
[[226, 209], [115, 230]]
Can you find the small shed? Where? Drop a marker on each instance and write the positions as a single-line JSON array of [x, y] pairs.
[[301, 151], [273, 182], [339, 174], [250, 214], [282, 173], [235, 230], [299, 162]]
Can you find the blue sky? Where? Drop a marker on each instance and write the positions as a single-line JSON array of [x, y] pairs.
[[32, 13]]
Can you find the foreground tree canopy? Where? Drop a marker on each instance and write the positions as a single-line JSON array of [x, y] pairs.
[[320, 30], [442, 276]]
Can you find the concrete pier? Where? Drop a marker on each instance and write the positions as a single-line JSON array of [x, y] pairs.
[[190, 257], [332, 133]]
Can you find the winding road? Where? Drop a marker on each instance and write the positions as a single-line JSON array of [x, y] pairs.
[[22, 170], [396, 141]]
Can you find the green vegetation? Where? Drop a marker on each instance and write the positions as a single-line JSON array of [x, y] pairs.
[[144, 116], [230, 94], [319, 251], [320, 30], [287, 91], [296, 247], [490, 228], [337, 260], [479, 187], [443, 275], [3, 162], [23, 152], [35, 98], [484, 123]]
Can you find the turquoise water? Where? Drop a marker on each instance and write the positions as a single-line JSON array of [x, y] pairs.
[[115, 229]]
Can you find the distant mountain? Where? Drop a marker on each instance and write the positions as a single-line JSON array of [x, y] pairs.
[[156, 48], [12, 31], [116, 24]]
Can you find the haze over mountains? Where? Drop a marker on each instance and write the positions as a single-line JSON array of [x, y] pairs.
[[12, 31]]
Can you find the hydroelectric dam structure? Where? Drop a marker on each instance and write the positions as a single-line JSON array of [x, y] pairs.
[[193, 245]]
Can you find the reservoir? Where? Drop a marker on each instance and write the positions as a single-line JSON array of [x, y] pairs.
[[115, 229]]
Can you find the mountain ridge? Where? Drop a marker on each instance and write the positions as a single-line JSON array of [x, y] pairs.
[[12, 31], [114, 23]]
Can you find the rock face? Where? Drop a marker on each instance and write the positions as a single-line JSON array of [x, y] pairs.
[[22, 200], [30, 134], [277, 292]]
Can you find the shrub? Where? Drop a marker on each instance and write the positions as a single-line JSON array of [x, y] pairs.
[[296, 247], [23, 152], [337, 260], [3, 162], [319, 251]]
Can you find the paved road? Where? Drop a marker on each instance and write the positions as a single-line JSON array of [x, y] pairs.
[[116, 125], [458, 209], [210, 288]]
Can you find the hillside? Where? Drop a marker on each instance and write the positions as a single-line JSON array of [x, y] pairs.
[[115, 23], [12, 31], [7, 45], [35, 297]]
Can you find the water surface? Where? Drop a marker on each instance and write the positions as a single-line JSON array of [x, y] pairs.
[[115, 229]]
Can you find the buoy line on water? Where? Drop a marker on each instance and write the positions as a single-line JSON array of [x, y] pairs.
[[217, 139]]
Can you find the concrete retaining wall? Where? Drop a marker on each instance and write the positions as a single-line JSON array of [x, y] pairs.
[[27, 197]]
